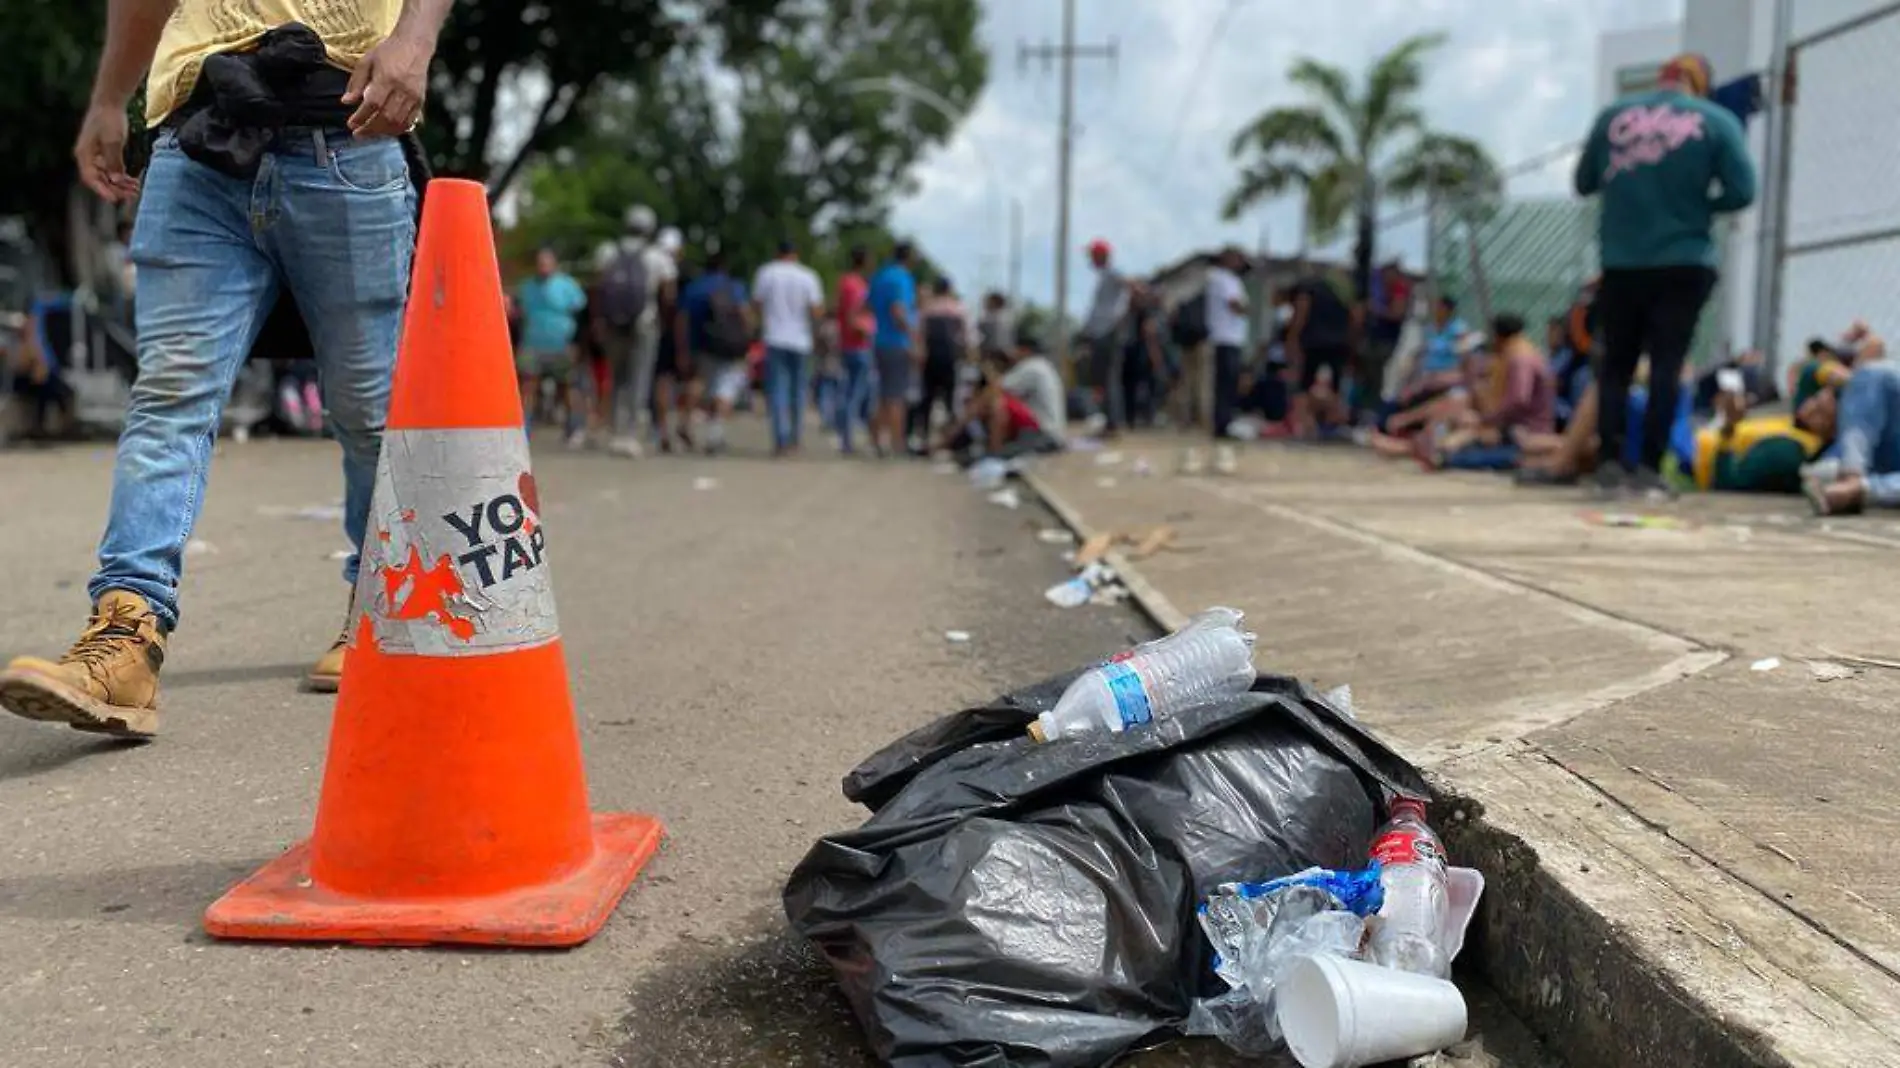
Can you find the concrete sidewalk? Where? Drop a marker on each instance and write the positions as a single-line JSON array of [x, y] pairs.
[[1690, 858]]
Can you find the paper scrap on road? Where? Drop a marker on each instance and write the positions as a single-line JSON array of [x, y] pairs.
[[1772, 663], [337, 556], [1007, 497], [1055, 536], [1141, 545], [705, 484], [199, 547], [1634, 521], [316, 513], [1829, 671], [957, 637], [1108, 459]]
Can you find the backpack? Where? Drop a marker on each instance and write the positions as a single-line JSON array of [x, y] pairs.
[[1189, 325], [623, 291], [727, 334]]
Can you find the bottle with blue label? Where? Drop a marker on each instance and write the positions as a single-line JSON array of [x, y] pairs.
[[1208, 660]]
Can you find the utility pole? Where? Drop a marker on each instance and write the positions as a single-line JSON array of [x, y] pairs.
[[1064, 56], [1771, 209]]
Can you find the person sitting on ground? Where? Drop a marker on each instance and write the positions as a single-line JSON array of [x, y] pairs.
[[1519, 402], [1021, 407], [1448, 408], [1867, 467], [1440, 363], [1763, 453]]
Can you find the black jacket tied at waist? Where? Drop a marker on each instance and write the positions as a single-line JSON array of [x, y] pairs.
[[245, 101]]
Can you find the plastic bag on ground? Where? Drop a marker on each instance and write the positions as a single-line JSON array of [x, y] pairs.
[[1034, 905]]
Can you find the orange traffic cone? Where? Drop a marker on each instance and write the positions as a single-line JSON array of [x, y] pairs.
[[454, 806]]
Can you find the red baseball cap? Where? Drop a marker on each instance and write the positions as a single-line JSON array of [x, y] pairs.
[[1099, 247]]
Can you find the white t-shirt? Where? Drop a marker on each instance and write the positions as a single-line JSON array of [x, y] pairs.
[[787, 293], [1036, 382], [1225, 326]]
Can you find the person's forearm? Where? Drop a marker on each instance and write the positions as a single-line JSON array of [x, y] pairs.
[[423, 18], [132, 31]]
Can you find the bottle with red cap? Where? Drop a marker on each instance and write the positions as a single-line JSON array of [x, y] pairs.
[[1410, 933]]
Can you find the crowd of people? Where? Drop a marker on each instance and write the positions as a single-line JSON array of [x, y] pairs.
[[660, 348]]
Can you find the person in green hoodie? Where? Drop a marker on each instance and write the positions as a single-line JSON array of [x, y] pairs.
[[1665, 163]]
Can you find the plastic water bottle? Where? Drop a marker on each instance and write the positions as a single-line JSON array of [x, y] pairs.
[[1207, 660], [1410, 934]]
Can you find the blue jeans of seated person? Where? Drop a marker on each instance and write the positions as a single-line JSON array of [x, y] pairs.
[[1870, 431], [327, 219], [787, 384]]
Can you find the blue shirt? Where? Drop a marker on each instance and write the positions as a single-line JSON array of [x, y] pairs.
[[696, 301], [892, 284], [1441, 348], [1666, 164], [548, 310]]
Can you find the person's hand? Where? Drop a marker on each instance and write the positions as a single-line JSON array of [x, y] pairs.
[[389, 86], [100, 153]]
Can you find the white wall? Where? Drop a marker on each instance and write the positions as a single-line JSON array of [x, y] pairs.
[[1642, 46]]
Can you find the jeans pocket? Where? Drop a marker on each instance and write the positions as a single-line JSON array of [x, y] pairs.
[[376, 167]]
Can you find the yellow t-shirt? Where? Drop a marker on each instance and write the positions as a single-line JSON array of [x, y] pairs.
[[201, 28]]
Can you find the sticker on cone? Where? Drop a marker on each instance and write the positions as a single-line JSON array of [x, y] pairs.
[[455, 562]]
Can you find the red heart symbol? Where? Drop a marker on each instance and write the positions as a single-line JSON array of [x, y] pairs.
[[529, 494]]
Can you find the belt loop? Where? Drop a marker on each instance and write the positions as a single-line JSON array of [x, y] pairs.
[[323, 147]]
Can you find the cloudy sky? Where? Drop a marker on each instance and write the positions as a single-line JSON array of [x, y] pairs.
[[1151, 164]]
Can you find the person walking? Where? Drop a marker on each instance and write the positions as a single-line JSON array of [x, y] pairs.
[[945, 332], [855, 327], [551, 303], [1664, 163], [628, 326], [893, 300], [789, 300], [326, 213], [718, 322]]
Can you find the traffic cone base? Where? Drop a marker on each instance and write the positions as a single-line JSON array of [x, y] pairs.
[[454, 802], [281, 903]]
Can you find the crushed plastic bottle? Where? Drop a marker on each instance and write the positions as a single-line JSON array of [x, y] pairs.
[[1209, 659], [1410, 933]]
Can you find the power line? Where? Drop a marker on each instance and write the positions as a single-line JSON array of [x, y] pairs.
[[1198, 78], [1064, 56]]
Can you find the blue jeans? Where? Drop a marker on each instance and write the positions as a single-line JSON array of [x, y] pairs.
[[827, 390], [787, 384], [327, 219], [1870, 431], [856, 405]]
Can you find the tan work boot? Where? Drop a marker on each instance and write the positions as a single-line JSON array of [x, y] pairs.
[[106, 683], [327, 676]]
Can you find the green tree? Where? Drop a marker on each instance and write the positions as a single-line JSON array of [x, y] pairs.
[[44, 85], [780, 141], [526, 68], [1353, 147], [531, 67]]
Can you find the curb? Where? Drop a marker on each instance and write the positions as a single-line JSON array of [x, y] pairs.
[[1152, 602], [1595, 963]]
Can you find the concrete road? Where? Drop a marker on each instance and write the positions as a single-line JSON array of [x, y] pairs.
[[736, 646]]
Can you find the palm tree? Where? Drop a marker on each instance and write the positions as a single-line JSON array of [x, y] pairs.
[[1353, 147]]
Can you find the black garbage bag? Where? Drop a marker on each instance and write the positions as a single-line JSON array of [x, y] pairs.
[[1032, 906]]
